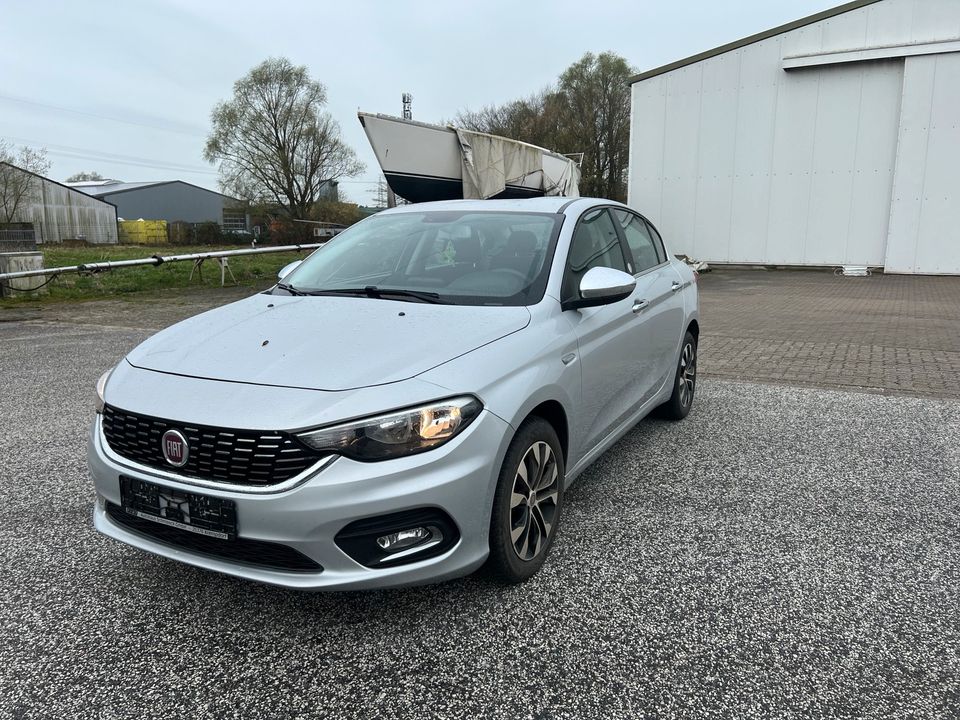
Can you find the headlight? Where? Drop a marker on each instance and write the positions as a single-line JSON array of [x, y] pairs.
[[396, 434], [101, 384]]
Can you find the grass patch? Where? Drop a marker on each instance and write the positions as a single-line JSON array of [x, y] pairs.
[[255, 271]]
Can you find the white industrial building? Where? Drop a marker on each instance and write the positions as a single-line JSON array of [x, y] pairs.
[[832, 140]]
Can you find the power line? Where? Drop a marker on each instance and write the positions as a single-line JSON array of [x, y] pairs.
[[121, 159], [25, 101], [118, 158], [79, 153], [152, 165]]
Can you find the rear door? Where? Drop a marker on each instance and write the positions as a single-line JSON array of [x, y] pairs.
[[658, 290]]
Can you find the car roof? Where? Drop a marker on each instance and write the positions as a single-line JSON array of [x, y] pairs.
[[538, 204]]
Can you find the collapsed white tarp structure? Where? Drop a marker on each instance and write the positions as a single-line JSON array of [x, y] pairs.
[[424, 163], [489, 163]]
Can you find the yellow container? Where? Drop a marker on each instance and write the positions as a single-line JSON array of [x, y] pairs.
[[142, 232]]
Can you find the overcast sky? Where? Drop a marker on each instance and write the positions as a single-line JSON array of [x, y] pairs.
[[126, 88]]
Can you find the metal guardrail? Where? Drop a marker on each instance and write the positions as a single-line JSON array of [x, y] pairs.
[[155, 260]]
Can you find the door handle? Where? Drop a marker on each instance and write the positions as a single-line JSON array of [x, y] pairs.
[[675, 286], [639, 306]]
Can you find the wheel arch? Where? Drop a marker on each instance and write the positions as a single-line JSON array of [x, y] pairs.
[[554, 413]]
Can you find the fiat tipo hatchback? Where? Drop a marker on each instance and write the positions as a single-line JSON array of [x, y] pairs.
[[407, 404]]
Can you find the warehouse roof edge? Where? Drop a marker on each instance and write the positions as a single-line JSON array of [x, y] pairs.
[[750, 39]]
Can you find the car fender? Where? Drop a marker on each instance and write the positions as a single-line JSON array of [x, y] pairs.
[[515, 374]]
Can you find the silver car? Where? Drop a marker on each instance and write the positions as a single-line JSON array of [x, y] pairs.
[[407, 405]]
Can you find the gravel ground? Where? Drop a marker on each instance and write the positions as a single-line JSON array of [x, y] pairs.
[[784, 552]]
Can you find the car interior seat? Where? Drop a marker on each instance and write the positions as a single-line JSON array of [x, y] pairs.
[[468, 251]]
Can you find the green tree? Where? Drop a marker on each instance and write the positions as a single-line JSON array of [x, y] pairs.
[[275, 143], [595, 114], [337, 211]]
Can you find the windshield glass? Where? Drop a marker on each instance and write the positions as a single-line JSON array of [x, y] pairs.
[[465, 258]]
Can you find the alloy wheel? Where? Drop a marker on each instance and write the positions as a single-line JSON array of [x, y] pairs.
[[688, 373], [533, 502]]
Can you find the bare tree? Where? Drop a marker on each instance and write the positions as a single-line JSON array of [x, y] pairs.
[[275, 143], [533, 119], [587, 111], [84, 176], [18, 188]]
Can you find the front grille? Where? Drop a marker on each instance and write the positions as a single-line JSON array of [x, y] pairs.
[[244, 550], [240, 457]]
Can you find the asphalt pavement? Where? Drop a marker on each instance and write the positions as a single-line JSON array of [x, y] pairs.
[[783, 552]]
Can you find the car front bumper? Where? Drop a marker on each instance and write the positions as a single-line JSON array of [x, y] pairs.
[[458, 478]]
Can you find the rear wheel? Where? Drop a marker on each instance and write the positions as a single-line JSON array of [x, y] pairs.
[[527, 503], [684, 383]]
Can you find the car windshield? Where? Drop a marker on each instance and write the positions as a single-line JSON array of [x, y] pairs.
[[453, 257]]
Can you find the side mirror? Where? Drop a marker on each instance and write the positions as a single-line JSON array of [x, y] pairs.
[[288, 268], [602, 286]]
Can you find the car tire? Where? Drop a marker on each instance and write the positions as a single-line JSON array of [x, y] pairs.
[[525, 519], [684, 382]]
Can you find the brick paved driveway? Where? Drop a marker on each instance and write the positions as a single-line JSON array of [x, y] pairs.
[[889, 333]]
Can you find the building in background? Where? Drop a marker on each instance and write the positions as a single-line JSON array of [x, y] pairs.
[[52, 212], [169, 200], [832, 140]]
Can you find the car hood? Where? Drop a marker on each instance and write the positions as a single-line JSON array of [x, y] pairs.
[[323, 343]]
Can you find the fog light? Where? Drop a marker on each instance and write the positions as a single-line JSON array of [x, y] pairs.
[[395, 542], [398, 538]]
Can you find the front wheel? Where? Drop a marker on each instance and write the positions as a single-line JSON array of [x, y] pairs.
[[684, 383], [527, 503]]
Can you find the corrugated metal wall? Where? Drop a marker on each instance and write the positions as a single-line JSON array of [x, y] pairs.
[[61, 213], [739, 160], [925, 214], [173, 202]]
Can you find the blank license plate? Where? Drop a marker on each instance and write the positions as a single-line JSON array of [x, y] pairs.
[[200, 514]]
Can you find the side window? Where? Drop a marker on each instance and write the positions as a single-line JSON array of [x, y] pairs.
[[595, 244], [639, 239], [658, 241]]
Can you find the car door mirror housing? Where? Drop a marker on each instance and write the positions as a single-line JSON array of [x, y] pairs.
[[288, 268], [601, 286]]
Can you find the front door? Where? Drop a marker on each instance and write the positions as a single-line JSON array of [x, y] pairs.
[[616, 357]]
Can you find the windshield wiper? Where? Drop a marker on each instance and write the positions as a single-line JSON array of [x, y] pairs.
[[291, 289], [378, 292]]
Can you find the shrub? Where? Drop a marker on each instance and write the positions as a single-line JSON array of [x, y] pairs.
[[208, 233]]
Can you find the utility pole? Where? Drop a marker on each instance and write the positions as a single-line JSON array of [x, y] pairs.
[[407, 99]]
